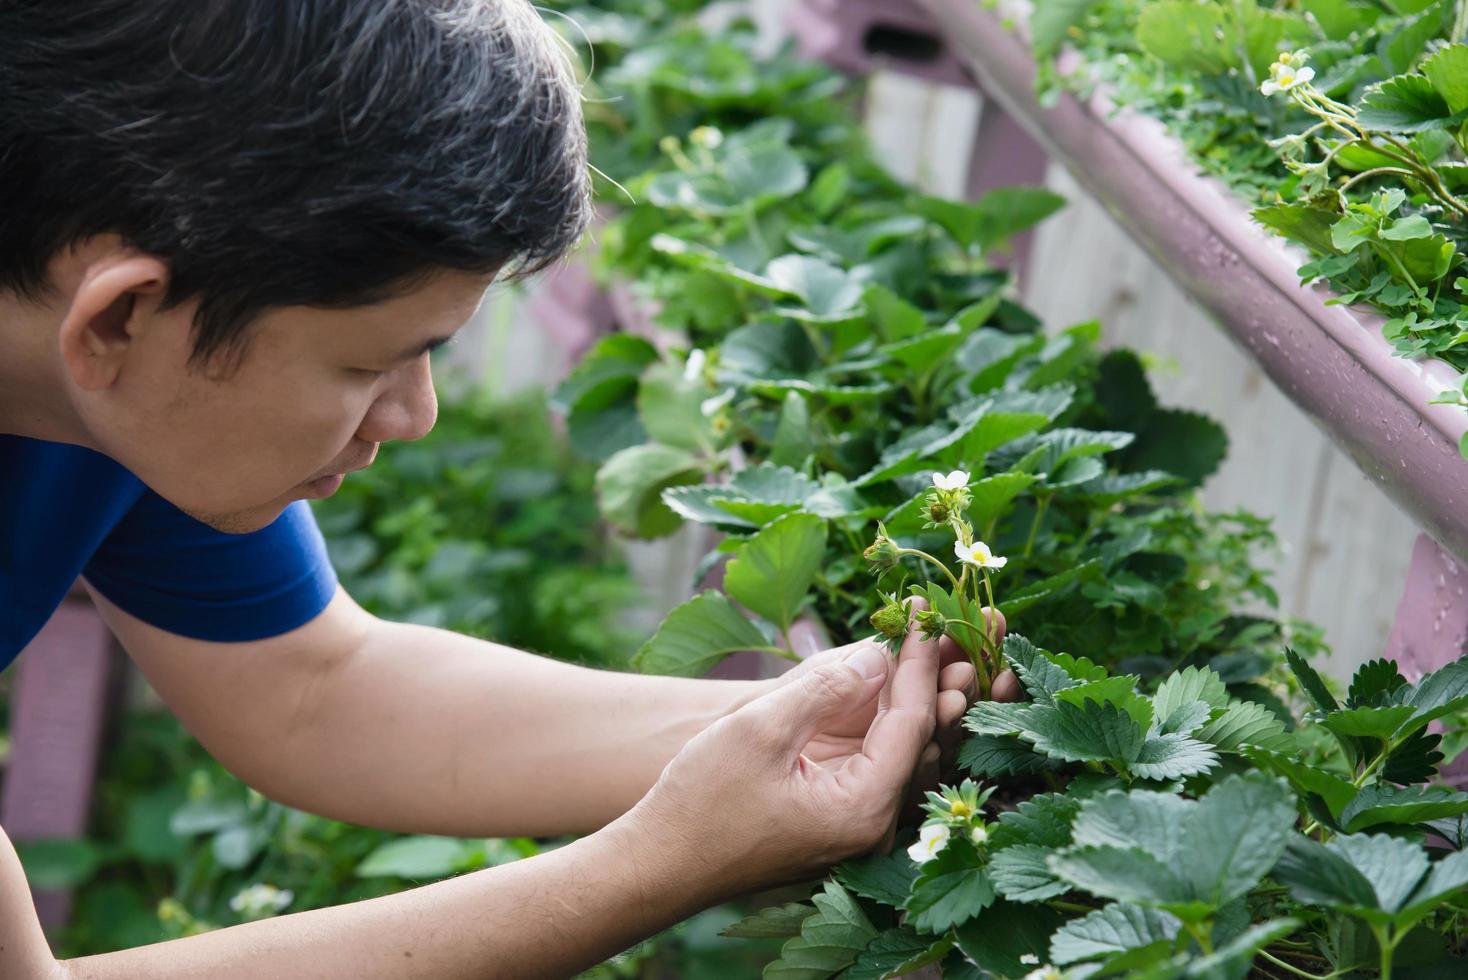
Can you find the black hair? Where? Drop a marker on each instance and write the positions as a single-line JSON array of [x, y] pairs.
[[327, 153]]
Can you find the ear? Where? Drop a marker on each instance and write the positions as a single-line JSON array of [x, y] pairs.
[[107, 316]]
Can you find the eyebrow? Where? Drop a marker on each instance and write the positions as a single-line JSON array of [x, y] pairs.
[[417, 351]]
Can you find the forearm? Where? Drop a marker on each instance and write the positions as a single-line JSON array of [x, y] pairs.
[[428, 731], [548, 916]]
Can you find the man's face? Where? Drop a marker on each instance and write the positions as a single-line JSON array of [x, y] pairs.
[[314, 394]]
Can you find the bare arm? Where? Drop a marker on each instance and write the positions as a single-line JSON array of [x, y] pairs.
[[422, 730], [547, 916]]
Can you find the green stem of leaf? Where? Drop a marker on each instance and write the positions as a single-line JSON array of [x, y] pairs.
[[1040, 508], [1296, 970], [958, 589]]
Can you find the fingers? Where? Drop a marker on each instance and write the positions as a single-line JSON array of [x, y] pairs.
[[908, 715], [786, 719], [959, 677], [951, 706], [1005, 687]]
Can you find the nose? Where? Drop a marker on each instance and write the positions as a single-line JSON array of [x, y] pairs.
[[405, 410]]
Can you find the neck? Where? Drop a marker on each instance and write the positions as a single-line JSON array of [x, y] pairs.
[[33, 399]]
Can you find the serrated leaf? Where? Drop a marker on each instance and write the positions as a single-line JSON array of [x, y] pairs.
[[1378, 724], [1021, 874], [1372, 875], [1173, 756], [894, 953], [793, 441], [885, 878], [1128, 875], [1110, 930], [1042, 820], [950, 889], [1188, 445], [775, 922], [1404, 104], [999, 755], [1091, 732], [1334, 789], [773, 571], [1041, 677], [1381, 804], [697, 635], [1373, 680], [1447, 69], [1448, 877], [1311, 683], [629, 487], [1188, 685], [999, 938], [829, 941], [1245, 723], [1441, 692]]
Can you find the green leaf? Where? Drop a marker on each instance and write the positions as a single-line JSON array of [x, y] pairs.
[[997, 216], [1372, 723], [1110, 930], [894, 317], [1334, 789], [629, 487], [1236, 956], [1088, 733], [1380, 804], [1369, 875], [616, 358], [1299, 222], [999, 938], [773, 571], [885, 878], [1448, 877], [1021, 874], [829, 941], [1245, 723], [1042, 820], [1441, 692], [669, 407], [418, 857], [1173, 756], [1050, 20], [58, 862], [1186, 444], [206, 816], [1339, 19], [697, 635], [1186, 686], [1129, 875], [1041, 676], [827, 292], [1311, 683], [775, 922], [1447, 69], [1404, 104], [999, 755], [1372, 681], [950, 889], [1186, 35], [794, 441], [896, 952]]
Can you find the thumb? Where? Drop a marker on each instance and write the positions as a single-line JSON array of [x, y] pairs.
[[792, 714]]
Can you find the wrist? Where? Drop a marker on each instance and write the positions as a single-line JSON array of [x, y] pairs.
[[672, 874]]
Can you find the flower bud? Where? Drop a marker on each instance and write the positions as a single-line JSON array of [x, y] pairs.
[[938, 509], [891, 619], [932, 623], [883, 553]]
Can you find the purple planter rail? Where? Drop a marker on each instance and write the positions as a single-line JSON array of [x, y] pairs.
[[59, 708], [1331, 360]]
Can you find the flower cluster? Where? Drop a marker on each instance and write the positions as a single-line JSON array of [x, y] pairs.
[[1287, 73], [952, 810], [260, 901]]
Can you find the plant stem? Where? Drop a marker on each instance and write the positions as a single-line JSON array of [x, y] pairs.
[[779, 652], [1035, 524], [1388, 947], [1296, 970], [958, 589]]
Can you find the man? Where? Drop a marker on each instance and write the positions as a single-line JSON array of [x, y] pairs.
[[230, 233]]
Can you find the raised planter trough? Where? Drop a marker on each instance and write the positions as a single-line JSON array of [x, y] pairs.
[[1332, 361]]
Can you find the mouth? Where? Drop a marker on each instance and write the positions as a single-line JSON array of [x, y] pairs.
[[324, 486]]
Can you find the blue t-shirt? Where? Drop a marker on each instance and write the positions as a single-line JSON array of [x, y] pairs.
[[67, 511]]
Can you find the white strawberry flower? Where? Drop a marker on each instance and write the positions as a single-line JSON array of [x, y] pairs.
[[710, 406], [978, 834], [1046, 972], [956, 480], [1283, 77], [931, 839], [693, 367], [261, 900], [978, 555], [1029, 959]]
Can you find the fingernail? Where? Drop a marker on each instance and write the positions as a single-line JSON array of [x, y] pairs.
[[869, 662]]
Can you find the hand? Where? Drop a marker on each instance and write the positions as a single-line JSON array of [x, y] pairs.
[[957, 690], [744, 803]]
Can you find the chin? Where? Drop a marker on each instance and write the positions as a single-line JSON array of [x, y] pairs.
[[239, 521]]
